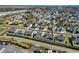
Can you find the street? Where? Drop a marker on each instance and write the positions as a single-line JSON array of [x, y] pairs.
[[46, 45]]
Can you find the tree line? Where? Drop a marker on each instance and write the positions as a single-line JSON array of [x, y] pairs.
[[9, 9]]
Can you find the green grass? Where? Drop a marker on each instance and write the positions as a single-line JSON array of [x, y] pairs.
[[3, 39], [3, 32]]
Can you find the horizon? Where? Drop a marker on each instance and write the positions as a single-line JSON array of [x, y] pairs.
[[32, 6]]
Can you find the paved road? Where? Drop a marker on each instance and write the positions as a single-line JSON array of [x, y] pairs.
[[13, 49], [42, 44]]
